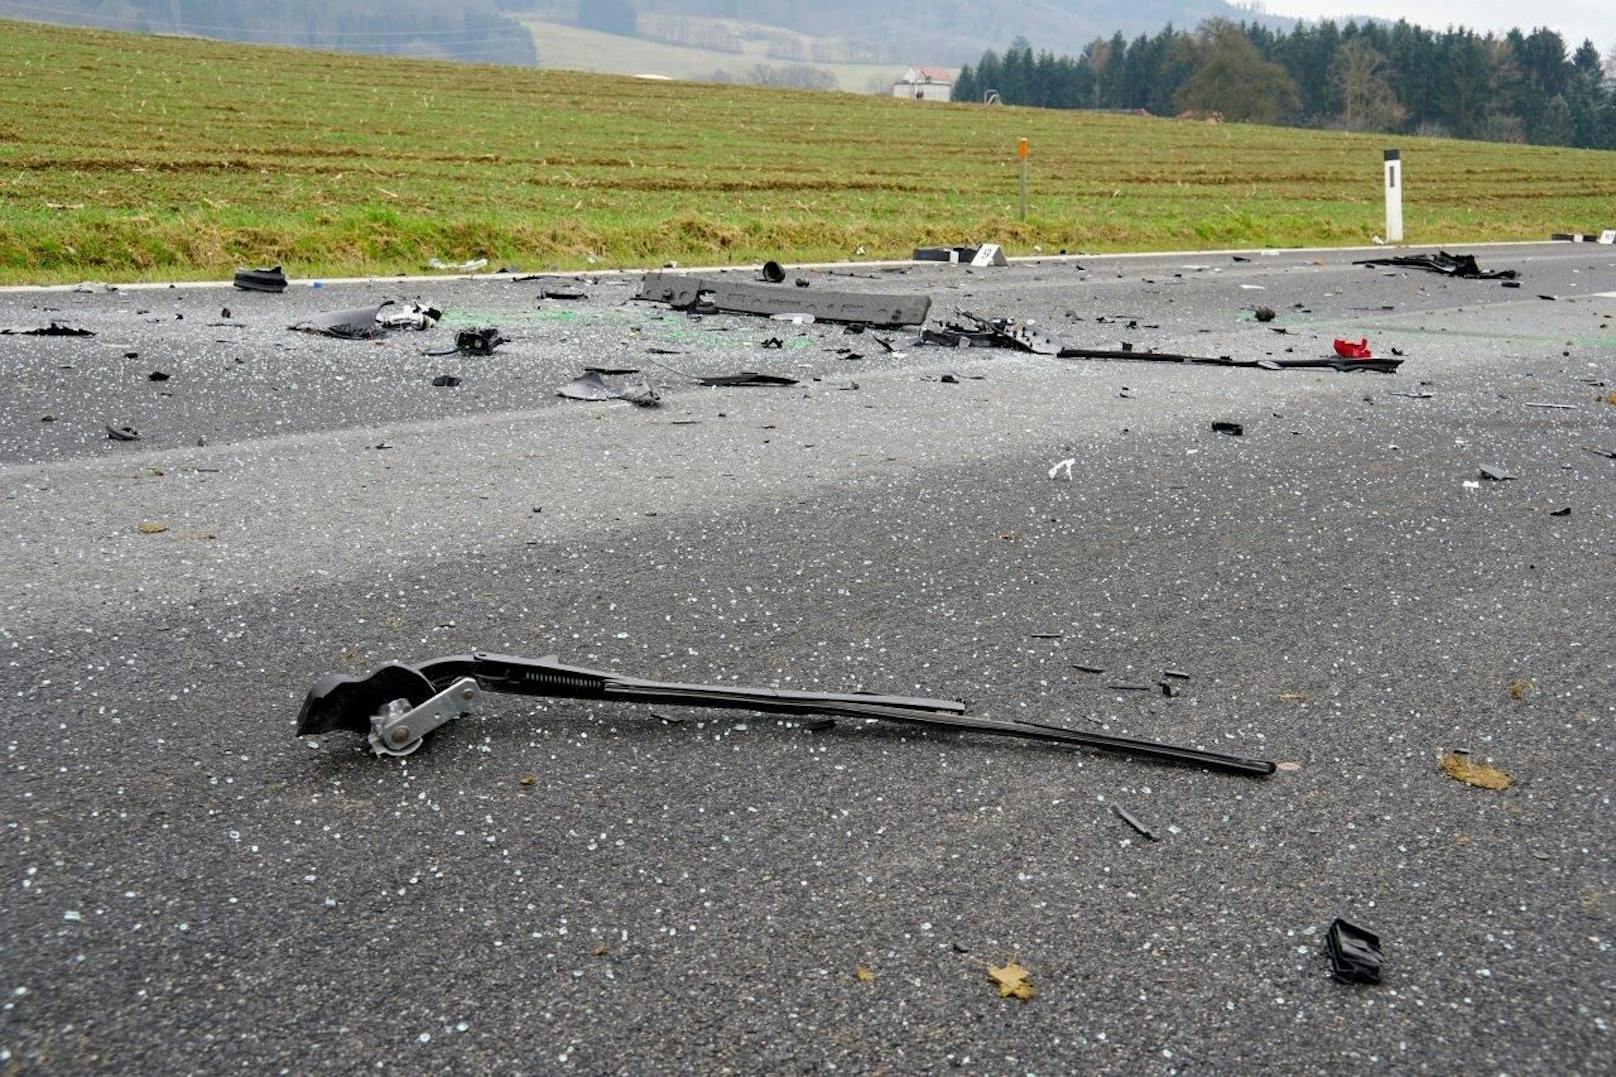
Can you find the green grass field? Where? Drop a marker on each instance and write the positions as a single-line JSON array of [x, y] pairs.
[[127, 157]]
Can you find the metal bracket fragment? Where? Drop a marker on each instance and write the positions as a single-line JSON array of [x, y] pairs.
[[400, 728]]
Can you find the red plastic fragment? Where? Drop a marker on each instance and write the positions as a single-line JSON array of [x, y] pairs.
[[1346, 349]]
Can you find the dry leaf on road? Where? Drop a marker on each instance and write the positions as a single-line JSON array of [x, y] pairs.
[[1012, 981], [864, 973], [151, 528], [1461, 767]]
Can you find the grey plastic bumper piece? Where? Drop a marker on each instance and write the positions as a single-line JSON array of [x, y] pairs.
[[739, 297]]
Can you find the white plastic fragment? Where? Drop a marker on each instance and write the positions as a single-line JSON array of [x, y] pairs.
[[1055, 471]]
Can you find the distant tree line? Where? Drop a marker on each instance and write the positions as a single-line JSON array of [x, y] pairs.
[[1359, 76], [473, 30]]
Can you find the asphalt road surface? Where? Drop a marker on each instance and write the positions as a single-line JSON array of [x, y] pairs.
[[556, 886]]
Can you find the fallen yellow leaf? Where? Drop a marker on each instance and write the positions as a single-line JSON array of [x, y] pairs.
[[864, 973], [151, 528], [1519, 687], [1012, 981], [1465, 769]]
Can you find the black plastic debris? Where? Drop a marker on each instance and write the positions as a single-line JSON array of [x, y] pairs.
[[774, 272], [773, 342], [709, 294], [1496, 474], [1264, 314], [480, 341], [1128, 817], [54, 329], [1355, 955], [562, 294], [615, 371], [157, 375], [122, 433], [1561, 512], [260, 280], [1449, 265], [439, 689], [357, 324], [1350, 366], [747, 378], [1232, 429], [591, 386], [446, 381], [974, 331]]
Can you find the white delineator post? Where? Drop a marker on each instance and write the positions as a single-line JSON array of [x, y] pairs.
[[1394, 196]]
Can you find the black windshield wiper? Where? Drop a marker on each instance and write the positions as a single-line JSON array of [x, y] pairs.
[[398, 705]]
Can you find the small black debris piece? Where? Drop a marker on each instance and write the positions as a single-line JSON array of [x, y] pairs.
[[48, 419], [1449, 265], [1496, 474], [1232, 429], [747, 378], [122, 433], [1608, 454], [1512, 284], [1169, 689], [260, 280], [1562, 512], [802, 282], [1176, 674], [445, 381], [1355, 955], [562, 295], [357, 324], [157, 375], [480, 341], [774, 272], [773, 342], [1128, 817], [54, 329], [225, 313], [612, 370], [1264, 314]]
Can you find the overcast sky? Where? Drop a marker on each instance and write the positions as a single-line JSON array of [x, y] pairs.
[[1574, 19]]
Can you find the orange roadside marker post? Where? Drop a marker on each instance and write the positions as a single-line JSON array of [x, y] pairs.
[[1023, 151]]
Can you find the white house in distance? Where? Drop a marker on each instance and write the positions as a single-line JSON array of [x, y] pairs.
[[925, 84]]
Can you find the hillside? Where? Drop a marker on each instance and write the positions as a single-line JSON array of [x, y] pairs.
[[578, 49], [947, 32], [132, 156]]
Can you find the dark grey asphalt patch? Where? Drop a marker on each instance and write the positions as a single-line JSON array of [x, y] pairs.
[[565, 881]]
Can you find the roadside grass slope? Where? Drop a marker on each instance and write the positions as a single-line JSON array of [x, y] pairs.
[[126, 157]]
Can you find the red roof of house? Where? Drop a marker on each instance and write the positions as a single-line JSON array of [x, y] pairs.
[[935, 74]]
